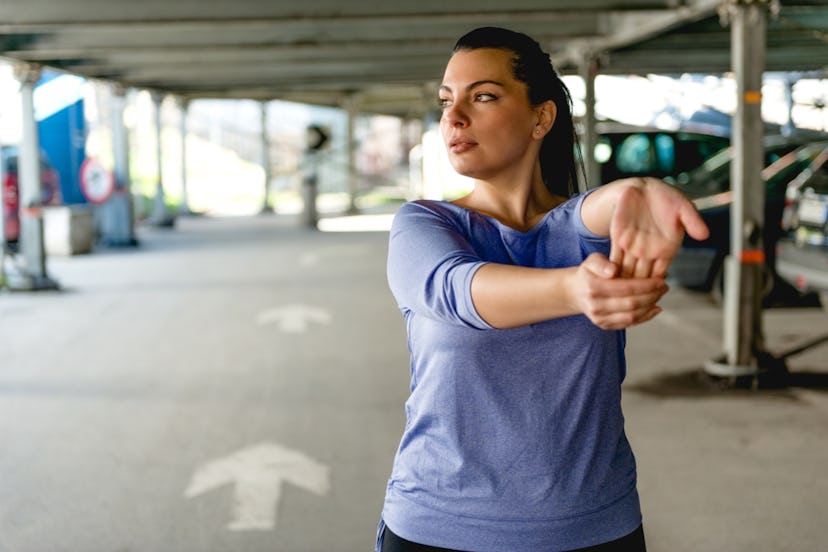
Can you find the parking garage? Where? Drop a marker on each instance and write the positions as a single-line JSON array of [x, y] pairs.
[[97, 375]]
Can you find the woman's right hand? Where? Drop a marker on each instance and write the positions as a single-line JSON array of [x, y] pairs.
[[614, 303]]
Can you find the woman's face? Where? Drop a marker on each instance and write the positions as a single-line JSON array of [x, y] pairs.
[[487, 122]]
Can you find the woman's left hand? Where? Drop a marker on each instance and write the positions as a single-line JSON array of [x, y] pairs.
[[648, 225]]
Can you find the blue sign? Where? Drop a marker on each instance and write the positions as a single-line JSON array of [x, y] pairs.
[[59, 111]]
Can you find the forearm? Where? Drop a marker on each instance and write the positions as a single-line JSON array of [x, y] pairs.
[[508, 296]]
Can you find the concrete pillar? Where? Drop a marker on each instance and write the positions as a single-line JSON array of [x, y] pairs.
[[592, 172], [184, 109], [116, 216], [160, 216], [351, 106], [2, 221], [744, 270], [2, 229], [267, 207], [31, 274]]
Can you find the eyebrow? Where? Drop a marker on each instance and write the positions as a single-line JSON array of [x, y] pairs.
[[474, 85]]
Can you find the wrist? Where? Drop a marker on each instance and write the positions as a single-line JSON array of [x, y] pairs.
[[571, 291]]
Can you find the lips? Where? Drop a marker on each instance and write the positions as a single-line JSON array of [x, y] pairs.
[[460, 145]]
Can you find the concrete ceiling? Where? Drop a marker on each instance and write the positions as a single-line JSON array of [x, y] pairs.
[[384, 53]]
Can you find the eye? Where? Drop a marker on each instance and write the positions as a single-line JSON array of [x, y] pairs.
[[443, 103], [484, 97]]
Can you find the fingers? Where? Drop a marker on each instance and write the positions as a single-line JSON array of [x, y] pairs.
[[628, 266], [693, 223], [622, 302], [659, 269], [600, 266], [638, 267], [618, 319], [647, 227], [643, 268], [621, 321]]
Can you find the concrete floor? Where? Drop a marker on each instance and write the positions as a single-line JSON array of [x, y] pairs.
[[237, 384]]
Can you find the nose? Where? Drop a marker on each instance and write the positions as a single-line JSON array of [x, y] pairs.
[[455, 116]]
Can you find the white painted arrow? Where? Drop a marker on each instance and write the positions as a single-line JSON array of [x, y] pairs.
[[258, 473], [294, 318]]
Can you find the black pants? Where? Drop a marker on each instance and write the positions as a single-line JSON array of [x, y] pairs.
[[634, 542]]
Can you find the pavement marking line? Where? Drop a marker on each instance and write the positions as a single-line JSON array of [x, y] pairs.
[[257, 473], [294, 318]]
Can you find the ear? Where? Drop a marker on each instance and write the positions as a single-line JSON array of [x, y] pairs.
[[546, 112]]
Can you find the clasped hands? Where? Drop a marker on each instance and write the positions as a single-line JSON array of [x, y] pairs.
[[648, 223]]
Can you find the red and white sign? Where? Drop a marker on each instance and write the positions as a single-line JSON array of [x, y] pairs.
[[96, 182]]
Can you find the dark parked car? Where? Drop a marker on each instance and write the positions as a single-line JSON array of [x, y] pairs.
[[803, 255], [627, 150], [49, 186], [698, 265]]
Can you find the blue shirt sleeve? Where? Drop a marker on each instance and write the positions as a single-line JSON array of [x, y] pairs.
[[590, 242], [431, 265]]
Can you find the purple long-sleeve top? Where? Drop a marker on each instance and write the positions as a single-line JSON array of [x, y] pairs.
[[514, 439]]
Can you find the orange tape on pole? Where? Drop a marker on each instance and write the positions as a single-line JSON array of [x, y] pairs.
[[753, 97], [753, 256]]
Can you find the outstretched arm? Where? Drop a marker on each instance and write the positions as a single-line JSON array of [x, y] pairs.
[[508, 296], [646, 220], [430, 265]]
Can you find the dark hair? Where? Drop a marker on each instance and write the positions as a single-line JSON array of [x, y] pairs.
[[532, 66]]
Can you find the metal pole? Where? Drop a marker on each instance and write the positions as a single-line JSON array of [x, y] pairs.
[[33, 275], [744, 270], [592, 173], [267, 207]]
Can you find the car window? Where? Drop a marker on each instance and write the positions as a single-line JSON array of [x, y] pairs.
[[712, 177], [693, 150], [661, 153], [635, 155], [665, 151]]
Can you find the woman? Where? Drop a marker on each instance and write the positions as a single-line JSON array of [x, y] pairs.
[[515, 299]]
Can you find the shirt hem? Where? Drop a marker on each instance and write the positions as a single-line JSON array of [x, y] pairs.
[[422, 524]]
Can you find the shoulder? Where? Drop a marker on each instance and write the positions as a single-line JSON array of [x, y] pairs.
[[425, 210], [442, 208]]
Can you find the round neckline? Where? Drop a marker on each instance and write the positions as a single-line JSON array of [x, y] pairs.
[[501, 225]]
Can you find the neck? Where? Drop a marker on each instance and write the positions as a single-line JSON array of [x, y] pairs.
[[518, 201]]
